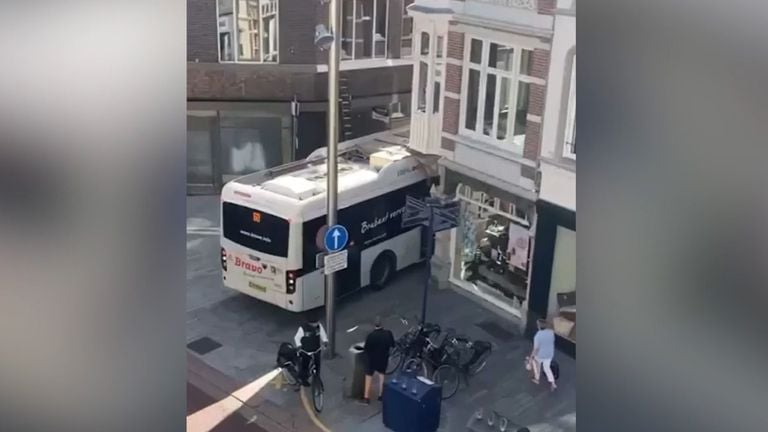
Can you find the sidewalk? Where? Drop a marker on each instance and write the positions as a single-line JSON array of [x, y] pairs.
[[503, 385], [219, 403]]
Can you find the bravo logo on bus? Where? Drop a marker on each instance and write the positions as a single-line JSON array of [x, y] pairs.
[[247, 265]]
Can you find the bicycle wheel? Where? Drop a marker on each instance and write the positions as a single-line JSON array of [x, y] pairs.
[[395, 361], [416, 365], [448, 377], [479, 364], [317, 393]]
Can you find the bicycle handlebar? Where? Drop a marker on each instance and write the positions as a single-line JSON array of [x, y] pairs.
[[311, 352]]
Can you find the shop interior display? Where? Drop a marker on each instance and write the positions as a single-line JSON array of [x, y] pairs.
[[486, 258]]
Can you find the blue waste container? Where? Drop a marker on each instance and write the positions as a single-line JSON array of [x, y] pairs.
[[411, 404]]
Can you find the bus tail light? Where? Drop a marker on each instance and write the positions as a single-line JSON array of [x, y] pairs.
[[290, 286], [224, 259]]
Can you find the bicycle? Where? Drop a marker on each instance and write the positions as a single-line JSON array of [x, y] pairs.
[[290, 367], [437, 358], [409, 344], [456, 358]]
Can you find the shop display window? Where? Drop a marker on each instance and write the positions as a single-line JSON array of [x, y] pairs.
[[492, 252]]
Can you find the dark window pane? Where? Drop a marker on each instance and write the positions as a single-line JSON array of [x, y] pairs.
[[490, 96], [423, 74], [521, 115], [424, 43], [500, 57], [347, 28], [476, 51], [501, 132], [364, 49], [473, 88], [526, 62], [255, 229], [380, 35], [436, 98]]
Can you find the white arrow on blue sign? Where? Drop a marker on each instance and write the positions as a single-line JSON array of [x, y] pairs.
[[336, 238]]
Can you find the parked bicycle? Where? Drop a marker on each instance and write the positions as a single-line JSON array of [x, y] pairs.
[[410, 344], [447, 363], [288, 359]]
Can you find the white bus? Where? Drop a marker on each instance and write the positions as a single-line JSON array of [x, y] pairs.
[[274, 221]]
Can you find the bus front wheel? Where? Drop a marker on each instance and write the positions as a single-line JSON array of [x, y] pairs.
[[382, 270]]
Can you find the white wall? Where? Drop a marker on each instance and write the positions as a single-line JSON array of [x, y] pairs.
[[563, 42]]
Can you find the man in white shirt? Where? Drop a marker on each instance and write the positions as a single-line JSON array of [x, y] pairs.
[[310, 337], [543, 353]]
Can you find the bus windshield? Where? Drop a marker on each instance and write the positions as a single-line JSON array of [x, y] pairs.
[[255, 229]]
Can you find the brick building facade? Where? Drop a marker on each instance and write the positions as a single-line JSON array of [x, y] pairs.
[[257, 84], [481, 72]]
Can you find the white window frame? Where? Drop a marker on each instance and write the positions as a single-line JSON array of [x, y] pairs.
[[569, 139], [438, 44], [264, 6], [404, 37], [354, 19], [478, 198], [515, 78]]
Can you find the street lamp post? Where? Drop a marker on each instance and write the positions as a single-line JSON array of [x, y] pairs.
[[334, 14]]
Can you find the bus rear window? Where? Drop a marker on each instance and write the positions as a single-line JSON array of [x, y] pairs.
[[255, 229]]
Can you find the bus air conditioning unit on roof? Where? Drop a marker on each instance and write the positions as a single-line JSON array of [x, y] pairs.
[[385, 157], [293, 187]]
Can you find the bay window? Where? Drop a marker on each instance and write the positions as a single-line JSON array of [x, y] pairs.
[[247, 30], [496, 91], [364, 29], [430, 67]]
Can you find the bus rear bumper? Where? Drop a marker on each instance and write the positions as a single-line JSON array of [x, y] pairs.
[[276, 298]]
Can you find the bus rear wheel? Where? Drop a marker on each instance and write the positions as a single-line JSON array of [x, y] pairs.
[[382, 270]]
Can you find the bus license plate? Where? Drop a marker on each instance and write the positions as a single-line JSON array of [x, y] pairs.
[[257, 287]]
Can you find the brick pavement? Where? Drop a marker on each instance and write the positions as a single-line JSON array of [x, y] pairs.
[[213, 398]]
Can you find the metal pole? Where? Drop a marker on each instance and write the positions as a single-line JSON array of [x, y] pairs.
[[334, 13], [430, 237]]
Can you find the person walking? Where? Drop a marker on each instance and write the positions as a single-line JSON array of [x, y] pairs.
[[377, 346], [543, 353], [309, 338]]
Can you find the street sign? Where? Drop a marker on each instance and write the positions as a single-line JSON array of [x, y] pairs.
[[336, 238], [336, 261]]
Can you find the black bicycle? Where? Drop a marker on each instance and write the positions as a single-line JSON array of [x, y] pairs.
[[454, 359], [410, 344], [288, 361]]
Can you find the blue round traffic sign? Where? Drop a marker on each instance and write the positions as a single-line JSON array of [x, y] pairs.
[[336, 238]]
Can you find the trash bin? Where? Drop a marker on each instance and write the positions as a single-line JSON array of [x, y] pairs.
[[355, 385]]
